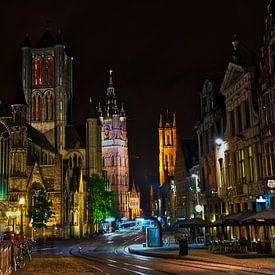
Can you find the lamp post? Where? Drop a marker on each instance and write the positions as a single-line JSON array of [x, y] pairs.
[[21, 203]]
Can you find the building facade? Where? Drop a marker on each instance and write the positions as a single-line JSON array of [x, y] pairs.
[[242, 162], [115, 149], [267, 105], [41, 149], [209, 129]]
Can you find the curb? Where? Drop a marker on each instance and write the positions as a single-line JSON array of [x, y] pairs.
[[158, 255]]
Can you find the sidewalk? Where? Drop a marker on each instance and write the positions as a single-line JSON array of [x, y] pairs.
[[203, 255]]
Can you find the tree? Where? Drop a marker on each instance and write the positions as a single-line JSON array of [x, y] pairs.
[[40, 211], [100, 200]]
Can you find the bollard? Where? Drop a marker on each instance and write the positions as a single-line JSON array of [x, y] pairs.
[[183, 247]]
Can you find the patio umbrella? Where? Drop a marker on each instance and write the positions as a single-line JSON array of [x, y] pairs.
[[267, 216], [237, 218], [193, 222]]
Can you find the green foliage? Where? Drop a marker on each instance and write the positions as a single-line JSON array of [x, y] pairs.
[[100, 200], [40, 211]]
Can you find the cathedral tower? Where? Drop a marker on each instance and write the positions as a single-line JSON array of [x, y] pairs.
[[167, 147], [115, 149], [47, 82], [93, 141]]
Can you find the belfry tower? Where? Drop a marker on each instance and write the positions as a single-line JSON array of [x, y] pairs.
[[115, 149], [167, 147], [47, 83]]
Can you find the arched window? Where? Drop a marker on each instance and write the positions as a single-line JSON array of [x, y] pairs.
[[103, 162], [113, 161], [70, 162], [168, 139], [75, 161], [47, 98], [51, 107], [171, 159], [39, 108], [34, 114], [79, 162], [40, 71], [35, 72]]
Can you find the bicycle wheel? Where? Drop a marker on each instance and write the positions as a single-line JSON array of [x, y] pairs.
[[20, 261]]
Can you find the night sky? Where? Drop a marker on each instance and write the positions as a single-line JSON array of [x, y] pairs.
[[159, 50]]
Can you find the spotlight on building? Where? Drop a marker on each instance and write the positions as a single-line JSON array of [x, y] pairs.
[[219, 141]]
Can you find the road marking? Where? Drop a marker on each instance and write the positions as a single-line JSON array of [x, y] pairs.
[[113, 261], [143, 267]]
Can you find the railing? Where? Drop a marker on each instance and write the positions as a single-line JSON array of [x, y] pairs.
[[5, 259]]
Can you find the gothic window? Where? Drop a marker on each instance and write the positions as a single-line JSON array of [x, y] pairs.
[[166, 160], [34, 107], [48, 71], [103, 162], [79, 162], [168, 139], [75, 161], [39, 108], [37, 72], [171, 159], [70, 162], [51, 107]]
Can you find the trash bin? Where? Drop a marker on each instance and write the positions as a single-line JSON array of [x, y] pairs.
[[183, 246]]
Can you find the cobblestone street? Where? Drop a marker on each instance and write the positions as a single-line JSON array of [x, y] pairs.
[[54, 264]]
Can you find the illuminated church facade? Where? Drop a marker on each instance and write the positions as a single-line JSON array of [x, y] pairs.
[[41, 149]]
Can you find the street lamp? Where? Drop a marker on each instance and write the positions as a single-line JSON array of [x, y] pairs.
[[21, 203]]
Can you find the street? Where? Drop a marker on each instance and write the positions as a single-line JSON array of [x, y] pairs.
[[108, 254]]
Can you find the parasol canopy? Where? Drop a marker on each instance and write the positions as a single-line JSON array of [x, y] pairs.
[[267, 216]]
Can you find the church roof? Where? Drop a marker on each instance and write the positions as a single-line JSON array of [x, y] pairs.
[[27, 42], [75, 136], [4, 109], [39, 139], [92, 113], [46, 40], [19, 97]]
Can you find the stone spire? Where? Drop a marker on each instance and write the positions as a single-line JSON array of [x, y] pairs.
[[122, 111], [19, 97], [91, 110], [111, 106], [236, 55]]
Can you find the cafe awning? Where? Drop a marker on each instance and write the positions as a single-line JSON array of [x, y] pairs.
[[233, 219], [266, 216], [196, 222]]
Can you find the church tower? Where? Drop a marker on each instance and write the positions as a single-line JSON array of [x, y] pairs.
[[167, 147], [47, 83], [19, 137], [115, 149]]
